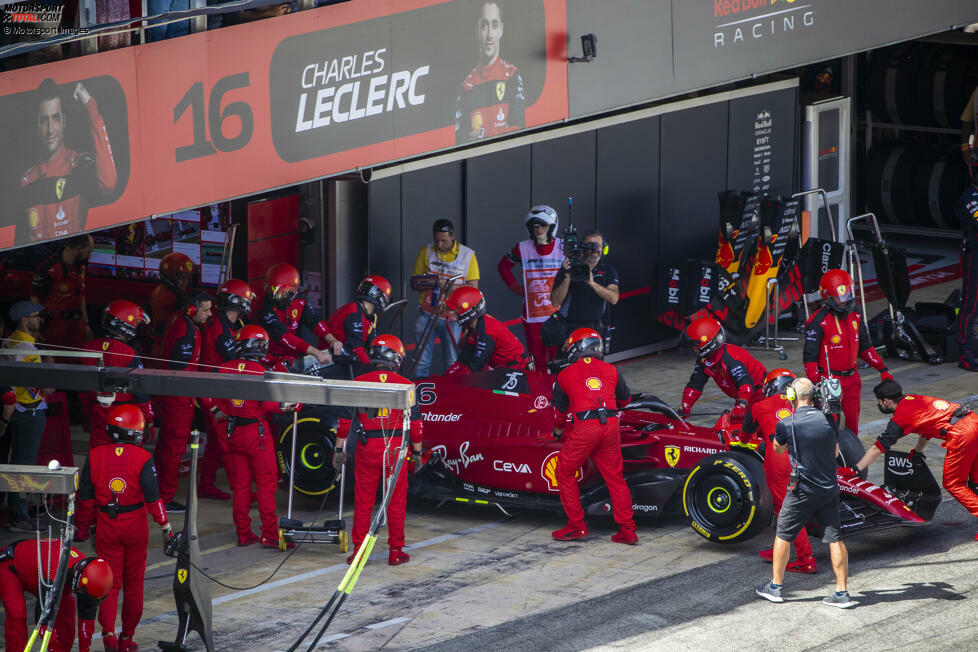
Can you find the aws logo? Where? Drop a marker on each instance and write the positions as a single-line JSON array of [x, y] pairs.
[[549, 471]]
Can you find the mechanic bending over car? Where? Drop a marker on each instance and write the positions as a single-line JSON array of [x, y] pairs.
[[353, 324], [736, 371], [930, 418], [484, 340], [812, 444], [590, 391], [763, 419], [379, 435]]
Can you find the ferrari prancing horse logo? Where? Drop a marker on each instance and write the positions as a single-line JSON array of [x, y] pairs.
[[500, 90], [672, 455], [182, 575]]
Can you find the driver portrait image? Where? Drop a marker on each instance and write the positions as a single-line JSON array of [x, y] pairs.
[[492, 99], [57, 191]]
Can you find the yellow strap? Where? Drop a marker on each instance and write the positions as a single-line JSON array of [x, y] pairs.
[[30, 642], [368, 545], [47, 639]]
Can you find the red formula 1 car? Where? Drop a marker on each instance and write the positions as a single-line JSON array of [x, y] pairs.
[[481, 444]]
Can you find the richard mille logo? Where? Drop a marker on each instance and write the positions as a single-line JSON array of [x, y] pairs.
[[762, 26]]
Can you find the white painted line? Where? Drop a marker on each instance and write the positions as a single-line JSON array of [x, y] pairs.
[[388, 623], [331, 638]]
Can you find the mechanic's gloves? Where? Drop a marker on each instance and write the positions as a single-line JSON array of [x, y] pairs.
[[690, 396], [543, 438], [847, 472], [166, 530], [811, 370], [913, 454], [339, 459], [885, 374], [457, 369], [416, 458], [738, 412]]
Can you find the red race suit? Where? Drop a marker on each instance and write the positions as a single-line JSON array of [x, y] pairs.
[[115, 353], [117, 487], [762, 419], [492, 101], [738, 374], [377, 449], [57, 193], [489, 344], [61, 289], [18, 573], [182, 344], [589, 391], [531, 330], [935, 418], [251, 454], [164, 300], [353, 326], [282, 325], [844, 338], [218, 346]]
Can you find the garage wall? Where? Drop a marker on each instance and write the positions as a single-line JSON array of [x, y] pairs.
[[650, 186]]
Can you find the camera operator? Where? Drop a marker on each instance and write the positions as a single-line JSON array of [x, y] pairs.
[[585, 285], [812, 444]]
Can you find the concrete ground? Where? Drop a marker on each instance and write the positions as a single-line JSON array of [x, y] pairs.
[[480, 580]]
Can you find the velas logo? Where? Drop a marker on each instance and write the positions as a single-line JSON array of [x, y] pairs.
[[767, 20]]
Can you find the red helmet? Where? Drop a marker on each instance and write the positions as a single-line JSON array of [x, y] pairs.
[[235, 294], [467, 302], [252, 342], [126, 424], [582, 343], [282, 283], [122, 318], [376, 290], [92, 576], [173, 266], [387, 350], [837, 291], [706, 336], [776, 381]]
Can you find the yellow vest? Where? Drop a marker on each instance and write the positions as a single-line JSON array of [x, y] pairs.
[[26, 396]]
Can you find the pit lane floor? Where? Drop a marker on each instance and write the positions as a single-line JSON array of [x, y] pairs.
[[479, 580]]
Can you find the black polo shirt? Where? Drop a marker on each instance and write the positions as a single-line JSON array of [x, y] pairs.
[[583, 305], [816, 439]]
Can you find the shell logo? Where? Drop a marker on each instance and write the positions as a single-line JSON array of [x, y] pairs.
[[702, 338], [783, 413], [130, 318], [237, 402], [593, 383], [841, 290], [836, 339], [549, 471], [465, 304], [117, 485], [34, 218], [941, 404]]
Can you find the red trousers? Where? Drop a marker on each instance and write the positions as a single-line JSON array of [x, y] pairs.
[[777, 472], [852, 387], [178, 416], [961, 462], [534, 345], [252, 459], [15, 610], [122, 542], [215, 453], [371, 464], [602, 443], [65, 332]]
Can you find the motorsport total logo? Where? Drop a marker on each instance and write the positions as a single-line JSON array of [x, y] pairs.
[[746, 21]]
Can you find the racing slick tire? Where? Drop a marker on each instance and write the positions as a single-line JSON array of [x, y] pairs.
[[851, 450], [314, 472], [726, 498]]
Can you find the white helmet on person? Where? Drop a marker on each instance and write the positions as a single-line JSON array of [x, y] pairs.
[[542, 215]]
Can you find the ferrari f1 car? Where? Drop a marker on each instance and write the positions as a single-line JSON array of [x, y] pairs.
[[480, 443]]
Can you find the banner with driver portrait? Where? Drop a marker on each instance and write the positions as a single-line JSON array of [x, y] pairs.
[[154, 129]]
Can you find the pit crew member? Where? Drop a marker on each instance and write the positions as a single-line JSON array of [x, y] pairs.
[[540, 258], [735, 371], [838, 331], [354, 323], [59, 284], [170, 295], [484, 340], [379, 441], [283, 310], [116, 488], [88, 581]]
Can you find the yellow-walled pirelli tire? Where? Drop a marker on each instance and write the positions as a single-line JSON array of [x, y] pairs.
[[726, 497], [314, 472]]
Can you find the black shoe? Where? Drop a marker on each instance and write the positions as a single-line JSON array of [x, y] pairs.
[[968, 364], [173, 507]]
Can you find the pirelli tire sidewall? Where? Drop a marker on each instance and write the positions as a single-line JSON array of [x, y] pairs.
[[726, 498], [314, 472]]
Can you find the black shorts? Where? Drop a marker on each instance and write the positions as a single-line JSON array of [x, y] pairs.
[[801, 506]]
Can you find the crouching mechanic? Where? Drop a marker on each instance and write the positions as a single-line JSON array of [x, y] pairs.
[[120, 320], [735, 371], [251, 444], [379, 434], [117, 487], [590, 390], [283, 310], [763, 419], [484, 340], [837, 332], [354, 323], [930, 418], [88, 581]]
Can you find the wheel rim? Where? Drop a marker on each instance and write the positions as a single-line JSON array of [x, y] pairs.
[[314, 474], [718, 500], [312, 456]]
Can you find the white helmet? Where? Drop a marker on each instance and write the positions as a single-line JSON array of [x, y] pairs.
[[542, 215]]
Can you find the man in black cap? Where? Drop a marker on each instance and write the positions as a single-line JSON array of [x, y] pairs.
[[444, 258], [29, 418]]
